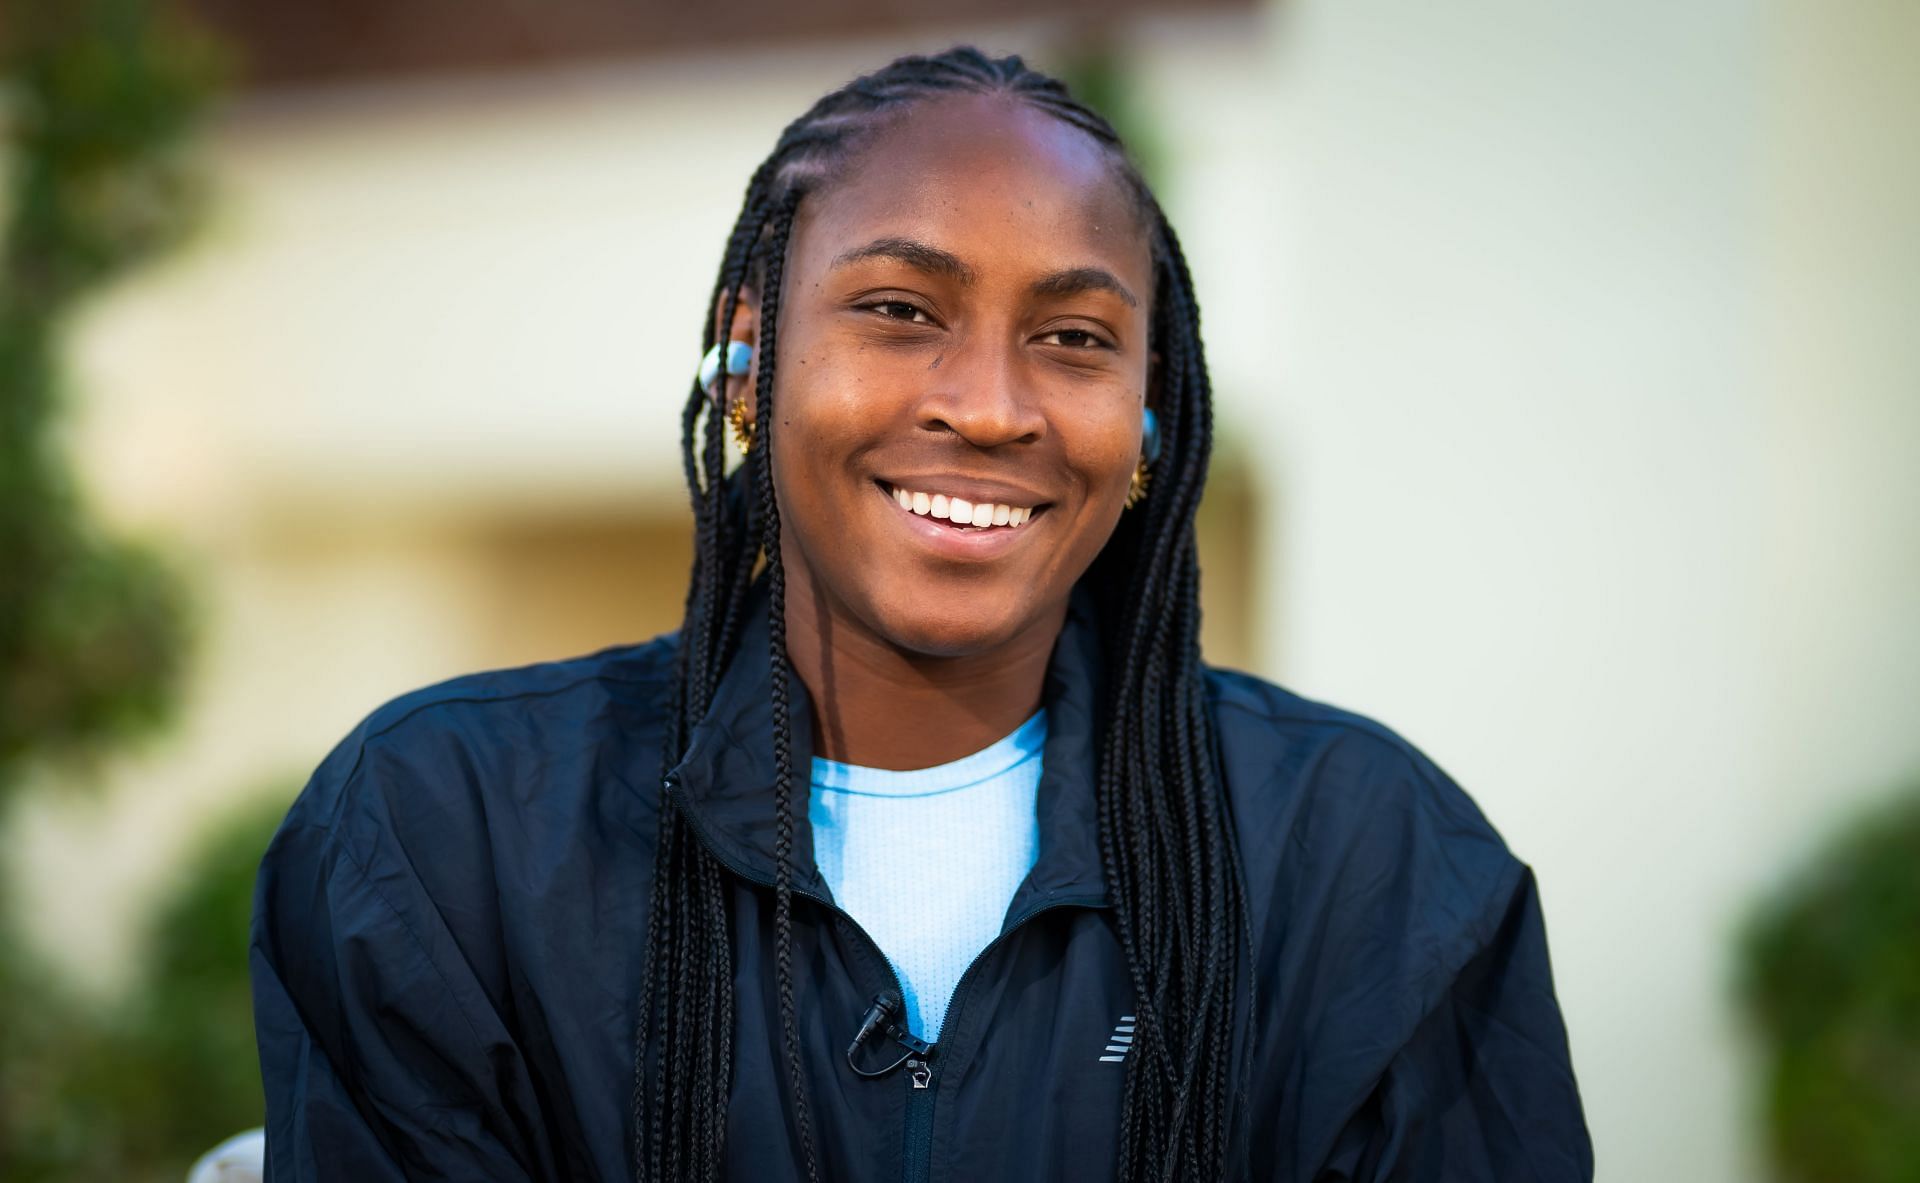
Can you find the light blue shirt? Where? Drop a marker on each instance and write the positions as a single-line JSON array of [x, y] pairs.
[[927, 860]]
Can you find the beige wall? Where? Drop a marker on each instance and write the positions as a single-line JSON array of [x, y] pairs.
[[1598, 420]]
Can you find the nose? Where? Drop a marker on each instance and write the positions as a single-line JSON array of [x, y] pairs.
[[981, 393]]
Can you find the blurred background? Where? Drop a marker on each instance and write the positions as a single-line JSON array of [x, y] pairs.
[[1568, 375]]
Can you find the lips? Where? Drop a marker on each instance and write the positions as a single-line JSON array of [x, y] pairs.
[[960, 511], [962, 542]]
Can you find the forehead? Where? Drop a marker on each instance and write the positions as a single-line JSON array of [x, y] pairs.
[[987, 177]]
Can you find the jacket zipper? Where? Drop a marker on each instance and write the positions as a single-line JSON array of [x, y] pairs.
[[918, 1156], [920, 1071]]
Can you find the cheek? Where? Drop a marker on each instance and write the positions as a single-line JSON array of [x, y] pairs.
[[827, 390], [1106, 450], [1105, 438], [813, 399], [826, 407]]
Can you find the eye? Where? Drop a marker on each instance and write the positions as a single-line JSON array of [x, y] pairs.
[[1073, 339], [899, 310]]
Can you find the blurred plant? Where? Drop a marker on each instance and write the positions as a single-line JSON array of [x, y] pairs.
[[97, 100], [100, 97], [136, 1094], [1830, 971]]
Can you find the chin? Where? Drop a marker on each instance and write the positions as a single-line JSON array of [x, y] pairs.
[[942, 626]]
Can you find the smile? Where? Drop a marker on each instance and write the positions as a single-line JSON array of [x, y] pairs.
[[958, 511]]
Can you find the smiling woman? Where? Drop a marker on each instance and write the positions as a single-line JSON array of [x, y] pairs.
[[1055, 901]]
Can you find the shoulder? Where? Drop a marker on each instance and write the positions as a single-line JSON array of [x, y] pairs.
[[441, 835], [436, 763], [1397, 944], [1279, 744], [1341, 821]]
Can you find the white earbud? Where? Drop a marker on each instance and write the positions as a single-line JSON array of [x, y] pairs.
[[739, 360]]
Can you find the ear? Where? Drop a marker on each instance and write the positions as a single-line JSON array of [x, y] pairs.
[[746, 328]]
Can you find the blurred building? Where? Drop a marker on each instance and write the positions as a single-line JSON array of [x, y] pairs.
[[1567, 377]]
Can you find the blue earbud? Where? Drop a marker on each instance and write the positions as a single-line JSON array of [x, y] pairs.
[[1150, 436], [739, 360]]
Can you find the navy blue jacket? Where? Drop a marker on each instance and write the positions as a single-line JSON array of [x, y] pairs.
[[449, 930]]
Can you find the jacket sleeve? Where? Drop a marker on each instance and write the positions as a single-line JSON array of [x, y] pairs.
[[1483, 1090], [374, 1063]]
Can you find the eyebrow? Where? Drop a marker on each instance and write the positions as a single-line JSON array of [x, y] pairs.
[[918, 255], [931, 259], [1075, 280]]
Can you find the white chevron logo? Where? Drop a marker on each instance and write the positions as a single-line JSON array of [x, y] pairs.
[[1119, 1041]]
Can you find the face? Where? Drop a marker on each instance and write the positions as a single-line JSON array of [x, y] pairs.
[[963, 328]]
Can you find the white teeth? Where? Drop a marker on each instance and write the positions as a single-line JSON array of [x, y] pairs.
[[960, 511]]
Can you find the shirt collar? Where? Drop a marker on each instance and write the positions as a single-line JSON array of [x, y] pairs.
[[724, 785], [1022, 745]]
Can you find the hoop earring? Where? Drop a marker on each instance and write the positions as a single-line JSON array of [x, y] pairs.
[[1149, 452], [742, 426], [1137, 487]]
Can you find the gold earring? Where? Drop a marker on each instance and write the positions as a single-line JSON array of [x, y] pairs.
[[1137, 487], [742, 426]]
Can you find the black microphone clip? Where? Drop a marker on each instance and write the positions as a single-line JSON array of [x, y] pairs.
[[879, 1017], [884, 1005]]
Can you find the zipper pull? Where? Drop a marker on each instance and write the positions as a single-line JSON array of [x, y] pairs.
[[920, 1072]]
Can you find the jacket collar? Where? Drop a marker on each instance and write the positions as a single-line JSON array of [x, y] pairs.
[[724, 785]]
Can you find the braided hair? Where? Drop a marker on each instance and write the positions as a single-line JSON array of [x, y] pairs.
[[1170, 864]]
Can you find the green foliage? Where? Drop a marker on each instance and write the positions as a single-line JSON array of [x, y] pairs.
[[1831, 975], [140, 1091], [100, 97]]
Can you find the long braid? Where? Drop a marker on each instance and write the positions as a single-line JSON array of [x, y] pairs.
[[784, 820], [1165, 844], [683, 1062]]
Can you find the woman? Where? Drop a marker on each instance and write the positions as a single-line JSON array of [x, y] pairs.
[[1056, 901]]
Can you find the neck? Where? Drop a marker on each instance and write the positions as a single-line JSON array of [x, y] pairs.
[[879, 705]]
